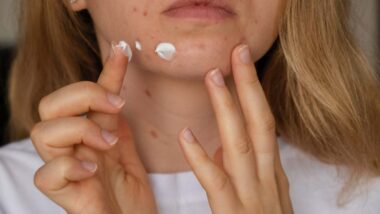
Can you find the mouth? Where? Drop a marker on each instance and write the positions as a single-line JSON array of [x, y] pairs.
[[200, 9]]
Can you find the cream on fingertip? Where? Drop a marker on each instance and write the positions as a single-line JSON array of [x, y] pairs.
[[125, 48]]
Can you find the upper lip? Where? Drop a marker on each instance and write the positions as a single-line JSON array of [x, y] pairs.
[[221, 4]]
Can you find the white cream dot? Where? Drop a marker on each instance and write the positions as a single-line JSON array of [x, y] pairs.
[[138, 45], [166, 51]]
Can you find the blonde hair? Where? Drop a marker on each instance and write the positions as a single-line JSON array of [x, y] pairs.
[[323, 93]]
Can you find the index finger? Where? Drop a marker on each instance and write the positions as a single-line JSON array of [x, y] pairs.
[[115, 68], [112, 78]]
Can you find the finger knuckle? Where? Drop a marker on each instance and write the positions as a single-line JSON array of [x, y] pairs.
[[92, 91], [254, 82], [34, 132], [271, 190], [65, 162], [220, 182], [43, 107], [87, 125], [39, 180], [90, 87], [37, 135], [134, 184], [264, 127], [243, 146], [229, 104], [269, 124]]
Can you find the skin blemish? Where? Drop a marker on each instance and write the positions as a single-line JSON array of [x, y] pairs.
[[145, 13], [147, 93], [135, 9], [201, 46], [153, 134]]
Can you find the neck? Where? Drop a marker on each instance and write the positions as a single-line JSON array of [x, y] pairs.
[[158, 107]]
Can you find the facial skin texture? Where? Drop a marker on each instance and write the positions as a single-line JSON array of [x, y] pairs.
[[165, 96], [200, 46]]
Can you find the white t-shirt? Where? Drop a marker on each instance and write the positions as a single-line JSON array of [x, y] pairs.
[[314, 186]]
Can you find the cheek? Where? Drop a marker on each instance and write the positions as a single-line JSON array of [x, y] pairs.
[[262, 26], [121, 19]]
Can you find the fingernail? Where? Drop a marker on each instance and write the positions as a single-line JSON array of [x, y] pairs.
[[187, 136], [245, 56], [217, 77], [89, 166], [115, 100], [124, 48], [110, 138]]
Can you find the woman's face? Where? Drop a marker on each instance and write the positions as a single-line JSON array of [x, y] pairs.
[[204, 33]]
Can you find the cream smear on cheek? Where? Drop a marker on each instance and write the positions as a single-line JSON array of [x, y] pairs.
[[138, 45], [166, 51]]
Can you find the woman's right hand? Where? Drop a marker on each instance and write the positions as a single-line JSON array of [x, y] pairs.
[[91, 163]]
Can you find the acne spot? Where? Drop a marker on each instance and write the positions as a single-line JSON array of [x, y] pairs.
[[147, 93], [135, 9], [145, 13], [153, 134], [201, 46]]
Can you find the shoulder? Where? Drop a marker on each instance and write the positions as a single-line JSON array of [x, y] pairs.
[[315, 186], [18, 163]]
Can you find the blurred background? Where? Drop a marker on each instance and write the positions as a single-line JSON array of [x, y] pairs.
[[365, 23]]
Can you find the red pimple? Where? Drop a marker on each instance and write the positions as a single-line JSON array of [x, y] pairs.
[[201, 46], [153, 134], [147, 93], [134, 9], [145, 13]]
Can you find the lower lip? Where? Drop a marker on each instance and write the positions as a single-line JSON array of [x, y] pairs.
[[199, 12]]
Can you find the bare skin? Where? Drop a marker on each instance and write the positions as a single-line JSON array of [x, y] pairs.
[[178, 95], [99, 163]]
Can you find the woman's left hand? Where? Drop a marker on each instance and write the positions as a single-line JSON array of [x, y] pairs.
[[250, 178]]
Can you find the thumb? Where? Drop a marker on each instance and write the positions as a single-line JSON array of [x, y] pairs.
[[111, 79]]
